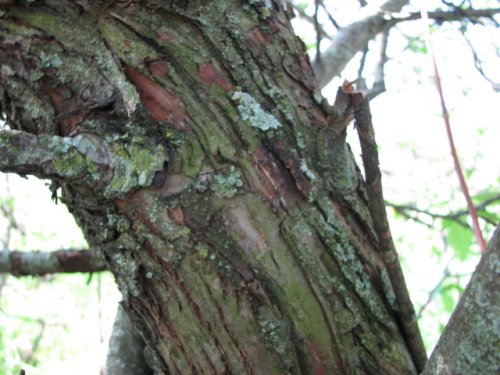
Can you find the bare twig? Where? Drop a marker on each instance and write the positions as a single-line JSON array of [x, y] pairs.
[[318, 30], [443, 15], [329, 15], [432, 294], [362, 62], [378, 86], [310, 19], [405, 311], [454, 216], [404, 209], [477, 61], [434, 290], [354, 37], [446, 118]]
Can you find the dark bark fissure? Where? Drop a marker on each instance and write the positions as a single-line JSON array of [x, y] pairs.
[[212, 179]]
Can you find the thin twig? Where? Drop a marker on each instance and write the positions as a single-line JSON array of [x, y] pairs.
[[318, 30], [443, 15], [362, 62], [330, 17], [434, 290], [454, 216], [477, 61], [446, 118], [378, 86], [310, 19]]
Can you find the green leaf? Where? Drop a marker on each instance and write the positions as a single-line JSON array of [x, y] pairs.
[[416, 44], [450, 294], [459, 238], [437, 251], [447, 300]]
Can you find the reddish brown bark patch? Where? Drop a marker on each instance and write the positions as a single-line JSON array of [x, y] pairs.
[[256, 36], [177, 215], [317, 357], [162, 35], [157, 68], [291, 163], [274, 180], [68, 109], [210, 75], [158, 102]]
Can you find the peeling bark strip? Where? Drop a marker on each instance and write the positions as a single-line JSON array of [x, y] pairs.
[[197, 159]]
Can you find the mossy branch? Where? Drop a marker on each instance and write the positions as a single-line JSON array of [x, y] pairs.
[[49, 156], [110, 166]]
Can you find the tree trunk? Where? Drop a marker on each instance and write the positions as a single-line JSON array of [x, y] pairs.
[[189, 140], [469, 344]]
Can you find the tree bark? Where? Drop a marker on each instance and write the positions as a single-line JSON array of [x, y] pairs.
[[126, 348], [469, 344], [189, 140]]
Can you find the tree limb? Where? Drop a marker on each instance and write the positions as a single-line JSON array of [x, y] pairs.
[[469, 344], [47, 156], [443, 15], [125, 355], [355, 37], [103, 165], [39, 263]]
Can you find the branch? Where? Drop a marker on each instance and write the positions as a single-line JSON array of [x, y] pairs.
[[454, 216], [104, 166], [330, 17], [477, 61], [434, 290], [37, 263], [126, 348], [469, 344], [49, 156], [404, 309], [378, 86], [442, 15], [355, 37], [446, 275], [310, 19]]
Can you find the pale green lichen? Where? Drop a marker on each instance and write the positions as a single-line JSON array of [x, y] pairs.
[[275, 332], [134, 166], [202, 250], [52, 60], [119, 222], [283, 102], [227, 185], [265, 7], [308, 172], [73, 164], [252, 112], [128, 270]]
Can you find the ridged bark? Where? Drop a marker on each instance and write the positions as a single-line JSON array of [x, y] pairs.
[[199, 159]]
